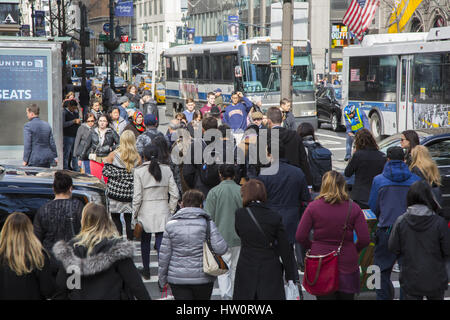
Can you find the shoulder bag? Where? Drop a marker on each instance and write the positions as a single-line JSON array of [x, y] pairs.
[[213, 264], [321, 271]]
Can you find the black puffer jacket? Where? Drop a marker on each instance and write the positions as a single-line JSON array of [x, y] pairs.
[[110, 143], [108, 273], [58, 220], [422, 239]]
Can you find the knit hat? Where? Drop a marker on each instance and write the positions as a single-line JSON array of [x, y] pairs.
[[122, 100], [150, 120]]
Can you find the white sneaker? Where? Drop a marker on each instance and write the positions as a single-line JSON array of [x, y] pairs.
[[396, 268]]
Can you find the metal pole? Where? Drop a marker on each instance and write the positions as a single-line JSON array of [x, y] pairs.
[[59, 17], [262, 12], [286, 44], [111, 38], [155, 63], [64, 46], [32, 18], [51, 17], [82, 43]]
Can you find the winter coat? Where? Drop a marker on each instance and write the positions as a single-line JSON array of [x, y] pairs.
[[259, 272], [221, 204], [181, 251], [286, 190], [110, 143], [327, 221], [83, 134], [135, 98], [295, 150], [39, 148], [108, 273], [421, 238], [151, 202], [388, 193], [289, 122], [119, 125], [36, 285], [146, 138], [365, 165], [70, 128], [57, 220]]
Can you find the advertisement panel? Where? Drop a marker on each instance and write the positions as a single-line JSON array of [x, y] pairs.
[[190, 35], [124, 9], [9, 13], [25, 80], [39, 23], [233, 28]]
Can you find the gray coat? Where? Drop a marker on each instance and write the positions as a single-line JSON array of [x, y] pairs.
[[181, 252], [80, 141], [39, 148]]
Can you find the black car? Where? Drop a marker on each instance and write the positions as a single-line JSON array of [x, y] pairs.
[[26, 189], [438, 143], [329, 109]]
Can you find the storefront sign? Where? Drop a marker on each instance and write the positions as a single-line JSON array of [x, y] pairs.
[[9, 13]]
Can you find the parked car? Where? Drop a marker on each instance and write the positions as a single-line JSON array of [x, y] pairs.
[[329, 106], [26, 189], [438, 143]]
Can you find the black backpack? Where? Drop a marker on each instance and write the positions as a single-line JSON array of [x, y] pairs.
[[319, 159], [209, 173]]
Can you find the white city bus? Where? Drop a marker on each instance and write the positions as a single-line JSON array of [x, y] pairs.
[[401, 81], [193, 70]]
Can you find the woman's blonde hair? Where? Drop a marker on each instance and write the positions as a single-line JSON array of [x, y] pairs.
[[420, 158], [333, 189], [127, 150], [96, 225], [20, 249]]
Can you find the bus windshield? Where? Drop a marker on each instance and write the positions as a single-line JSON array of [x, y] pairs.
[[260, 78], [302, 73], [77, 72]]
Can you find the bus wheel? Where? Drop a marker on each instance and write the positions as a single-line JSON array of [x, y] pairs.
[[375, 125]]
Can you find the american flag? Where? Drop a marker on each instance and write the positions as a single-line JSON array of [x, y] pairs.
[[359, 15]]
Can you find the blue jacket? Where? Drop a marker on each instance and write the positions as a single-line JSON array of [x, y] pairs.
[[365, 120], [39, 148], [236, 115], [388, 194]]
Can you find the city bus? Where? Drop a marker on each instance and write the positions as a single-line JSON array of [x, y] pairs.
[[401, 81], [194, 70]]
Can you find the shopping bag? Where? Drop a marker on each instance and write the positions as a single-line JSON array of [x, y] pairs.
[[97, 169], [291, 291], [165, 294]]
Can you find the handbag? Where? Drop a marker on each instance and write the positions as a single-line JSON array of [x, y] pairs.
[[321, 275], [213, 264], [137, 232]]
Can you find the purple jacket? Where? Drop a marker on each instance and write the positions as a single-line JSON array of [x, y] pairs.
[[328, 221]]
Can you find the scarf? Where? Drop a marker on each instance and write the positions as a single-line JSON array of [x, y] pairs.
[[139, 127]]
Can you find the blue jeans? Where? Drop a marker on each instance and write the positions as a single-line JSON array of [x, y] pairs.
[[385, 260], [68, 143], [145, 247], [87, 166], [348, 147]]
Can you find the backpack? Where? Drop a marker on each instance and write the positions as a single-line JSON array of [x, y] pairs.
[[209, 173], [319, 159]]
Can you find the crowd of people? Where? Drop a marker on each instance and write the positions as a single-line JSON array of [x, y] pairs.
[[260, 220]]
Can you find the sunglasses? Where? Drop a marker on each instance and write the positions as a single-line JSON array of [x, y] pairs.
[[90, 121]]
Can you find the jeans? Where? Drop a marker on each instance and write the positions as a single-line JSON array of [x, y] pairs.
[[127, 217], [68, 143], [192, 291], [86, 166], [348, 147], [385, 260], [146, 238], [226, 281]]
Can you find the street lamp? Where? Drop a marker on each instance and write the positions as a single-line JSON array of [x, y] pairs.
[[241, 4], [185, 19], [32, 16]]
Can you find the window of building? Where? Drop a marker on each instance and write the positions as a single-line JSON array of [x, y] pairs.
[[161, 34], [160, 6], [373, 78], [140, 9], [150, 34], [150, 5], [154, 8], [145, 9]]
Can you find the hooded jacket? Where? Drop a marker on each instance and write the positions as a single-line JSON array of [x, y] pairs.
[[181, 251], [422, 239], [388, 193], [108, 273]]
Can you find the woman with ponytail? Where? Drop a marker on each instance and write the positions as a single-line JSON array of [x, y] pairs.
[[152, 206]]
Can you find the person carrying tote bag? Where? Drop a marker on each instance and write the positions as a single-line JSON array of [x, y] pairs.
[[334, 218]]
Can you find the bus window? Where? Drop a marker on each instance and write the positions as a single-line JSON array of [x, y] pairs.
[[430, 77], [301, 74], [205, 69], [183, 67], [198, 67], [169, 68], [373, 78], [217, 68], [227, 67], [260, 77], [190, 68]]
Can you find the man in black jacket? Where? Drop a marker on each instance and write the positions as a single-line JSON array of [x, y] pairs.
[[70, 127], [295, 150]]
